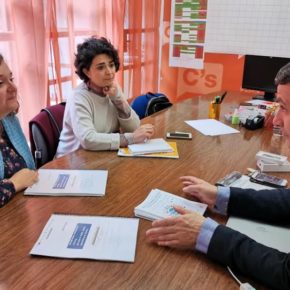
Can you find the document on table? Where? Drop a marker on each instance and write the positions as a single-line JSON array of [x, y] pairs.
[[60, 182], [237, 179], [211, 127], [159, 204], [88, 237], [125, 152], [244, 182], [151, 146]]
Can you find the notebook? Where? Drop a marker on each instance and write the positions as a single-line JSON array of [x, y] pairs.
[[151, 146], [125, 152]]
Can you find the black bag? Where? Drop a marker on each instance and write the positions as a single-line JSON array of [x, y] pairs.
[[150, 103], [157, 103]]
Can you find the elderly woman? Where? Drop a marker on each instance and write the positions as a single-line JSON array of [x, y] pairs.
[[16, 163], [97, 115]]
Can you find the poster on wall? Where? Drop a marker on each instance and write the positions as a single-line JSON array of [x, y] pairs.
[[187, 33]]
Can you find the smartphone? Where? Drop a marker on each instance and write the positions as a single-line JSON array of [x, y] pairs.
[[266, 179], [179, 135]]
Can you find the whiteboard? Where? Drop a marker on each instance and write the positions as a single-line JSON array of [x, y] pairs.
[[259, 27]]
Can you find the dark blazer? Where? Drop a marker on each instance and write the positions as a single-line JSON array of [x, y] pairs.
[[239, 252]]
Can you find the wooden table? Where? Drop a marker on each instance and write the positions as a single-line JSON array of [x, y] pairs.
[[129, 182]]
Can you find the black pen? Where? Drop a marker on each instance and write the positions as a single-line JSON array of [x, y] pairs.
[[223, 96]]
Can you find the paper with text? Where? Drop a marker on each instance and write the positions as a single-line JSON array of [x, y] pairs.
[[159, 204], [211, 127], [61, 182], [244, 182], [88, 237]]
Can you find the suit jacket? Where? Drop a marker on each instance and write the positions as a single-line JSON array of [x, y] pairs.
[[239, 252]]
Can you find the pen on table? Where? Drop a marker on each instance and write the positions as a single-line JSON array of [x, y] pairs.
[[223, 96]]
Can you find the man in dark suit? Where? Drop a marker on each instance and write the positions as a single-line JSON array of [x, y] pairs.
[[225, 245]]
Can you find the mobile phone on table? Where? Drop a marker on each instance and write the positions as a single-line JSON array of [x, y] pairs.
[[179, 135], [267, 179]]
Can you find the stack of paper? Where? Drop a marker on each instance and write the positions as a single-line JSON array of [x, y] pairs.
[[159, 204], [152, 146], [125, 152], [88, 237], [60, 182]]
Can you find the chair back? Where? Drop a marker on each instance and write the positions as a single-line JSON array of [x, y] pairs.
[[44, 132]]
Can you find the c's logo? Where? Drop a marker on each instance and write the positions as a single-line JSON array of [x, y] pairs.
[[193, 77], [203, 81]]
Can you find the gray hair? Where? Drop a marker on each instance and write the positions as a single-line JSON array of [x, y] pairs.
[[283, 75]]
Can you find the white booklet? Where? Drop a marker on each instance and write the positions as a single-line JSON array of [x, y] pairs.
[[159, 204], [88, 237], [151, 146], [61, 182]]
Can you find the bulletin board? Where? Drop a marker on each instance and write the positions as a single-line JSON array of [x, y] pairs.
[[258, 27]]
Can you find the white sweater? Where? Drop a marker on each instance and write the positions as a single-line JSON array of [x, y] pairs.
[[91, 122]]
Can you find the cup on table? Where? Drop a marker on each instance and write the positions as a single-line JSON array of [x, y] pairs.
[[214, 110]]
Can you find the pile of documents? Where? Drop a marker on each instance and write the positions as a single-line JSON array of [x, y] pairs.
[[152, 148], [159, 204]]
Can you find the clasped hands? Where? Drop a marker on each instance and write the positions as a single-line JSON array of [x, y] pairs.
[[181, 232]]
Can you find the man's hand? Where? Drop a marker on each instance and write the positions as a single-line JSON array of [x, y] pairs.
[[177, 232], [199, 189]]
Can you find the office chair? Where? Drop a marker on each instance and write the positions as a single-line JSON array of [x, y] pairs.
[[44, 132]]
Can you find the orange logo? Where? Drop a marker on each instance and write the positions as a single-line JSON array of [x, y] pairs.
[[203, 81]]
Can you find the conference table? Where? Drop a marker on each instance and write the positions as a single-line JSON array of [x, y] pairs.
[[129, 182]]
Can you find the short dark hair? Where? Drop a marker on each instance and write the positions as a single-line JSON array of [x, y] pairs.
[[90, 48], [1, 58], [283, 75]]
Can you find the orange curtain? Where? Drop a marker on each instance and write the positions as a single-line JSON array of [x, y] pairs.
[[143, 45], [42, 36], [27, 23], [72, 21]]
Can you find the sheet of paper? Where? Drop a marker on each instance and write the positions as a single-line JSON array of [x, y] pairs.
[[152, 146], [244, 182], [88, 237], [159, 204], [211, 127], [69, 182]]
